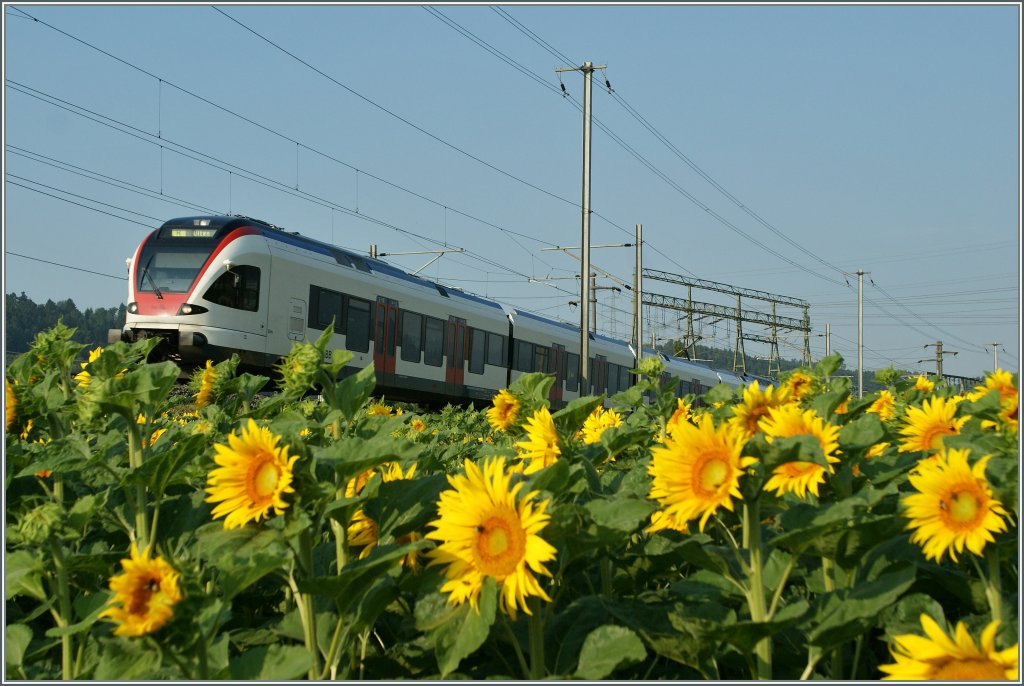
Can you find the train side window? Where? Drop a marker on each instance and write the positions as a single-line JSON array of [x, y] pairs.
[[238, 288], [358, 325], [324, 306], [572, 371], [523, 358], [541, 354], [412, 336], [495, 349], [433, 348], [477, 348], [613, 378], [624, 380]]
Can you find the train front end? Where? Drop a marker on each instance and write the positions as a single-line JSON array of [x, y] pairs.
[[195, 283]]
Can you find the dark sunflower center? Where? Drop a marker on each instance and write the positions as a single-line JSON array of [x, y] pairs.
[[141, 595]]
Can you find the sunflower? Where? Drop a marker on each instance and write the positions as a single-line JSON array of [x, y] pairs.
[[418, 424], [1007, 415], [486, 529], [953, 507], [697, 471], [144, 594], [10, 404], [798, 385], [378, 410], [747, 415], [884, 405], [999, 380], [206, 381], [923, 383], [925, 426], [253, 476], [946, 657], [502, 416], [541, 445], [683, 414], [83, 377], [599, 420], [362, 530], [799, 477]]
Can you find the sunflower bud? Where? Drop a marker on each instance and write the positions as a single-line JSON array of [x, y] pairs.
[[37, 525], [299, 368]]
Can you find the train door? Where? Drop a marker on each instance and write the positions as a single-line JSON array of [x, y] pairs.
[[556, 365], [385, 335], [456, 351]]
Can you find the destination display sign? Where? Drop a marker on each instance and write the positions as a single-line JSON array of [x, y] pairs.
[[192, 233]]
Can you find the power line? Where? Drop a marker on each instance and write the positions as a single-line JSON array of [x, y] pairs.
[[396, 116], [66, 266], [270, 130], [109, 214], [639, 157]]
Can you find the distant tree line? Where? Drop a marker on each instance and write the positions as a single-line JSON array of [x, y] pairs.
[[25, 318]]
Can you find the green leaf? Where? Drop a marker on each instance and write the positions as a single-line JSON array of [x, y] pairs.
[[456, 631], [570, 418], [164, 467], [98, 603], [270, 663], [405, 504], [127, 660], [620, 517], [845, 614], [608, 648], [532, 388], [862, 433], [353, 455], [243, 556], [24, 575], [18, 638], [349, 394], [745, 635], [348, 587]]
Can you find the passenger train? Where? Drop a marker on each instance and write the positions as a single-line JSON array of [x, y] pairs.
[[212, 286]]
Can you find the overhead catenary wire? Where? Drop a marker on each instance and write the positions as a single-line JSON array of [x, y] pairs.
[[163, 81]]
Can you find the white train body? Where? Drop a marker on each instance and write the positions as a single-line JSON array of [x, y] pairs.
[[213, 286]]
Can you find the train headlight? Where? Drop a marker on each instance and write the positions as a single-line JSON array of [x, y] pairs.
[[133, 307], [189, 308]]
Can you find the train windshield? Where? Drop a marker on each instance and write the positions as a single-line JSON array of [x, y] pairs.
[[170, 268]]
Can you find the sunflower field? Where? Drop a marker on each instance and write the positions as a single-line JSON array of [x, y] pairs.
[[221, 531]]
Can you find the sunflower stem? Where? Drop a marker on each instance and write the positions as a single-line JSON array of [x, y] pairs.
[[536, 625], [64, 619], [993, 583], [303, 605], [758, 608], [333, 655], [813, 656], [134, 463], [305, 600], [515, 644], [829, 579]]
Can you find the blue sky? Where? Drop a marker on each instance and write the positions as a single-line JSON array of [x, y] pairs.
[[806, 141]]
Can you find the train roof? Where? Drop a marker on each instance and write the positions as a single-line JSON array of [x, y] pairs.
[[222, 225]]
